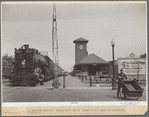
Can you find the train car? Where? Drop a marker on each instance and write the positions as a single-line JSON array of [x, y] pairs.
[[6, 69], [31, 67]]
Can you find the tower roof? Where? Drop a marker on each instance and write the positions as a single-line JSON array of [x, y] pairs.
[[80, 40], [92, 59]]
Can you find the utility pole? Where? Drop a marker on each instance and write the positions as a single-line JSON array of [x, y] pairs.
[[55, 54]]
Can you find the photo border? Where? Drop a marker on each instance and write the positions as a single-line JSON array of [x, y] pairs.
[[18, 110]]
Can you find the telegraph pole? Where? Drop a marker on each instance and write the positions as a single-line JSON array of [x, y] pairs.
[[55, 54]]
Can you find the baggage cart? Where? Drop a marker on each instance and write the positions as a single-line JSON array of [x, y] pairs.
[[130, 89]]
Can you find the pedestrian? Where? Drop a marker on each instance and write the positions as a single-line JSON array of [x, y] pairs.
[[122, 76], [41, 79]]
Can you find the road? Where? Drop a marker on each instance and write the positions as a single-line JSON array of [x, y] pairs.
[[75, 90]]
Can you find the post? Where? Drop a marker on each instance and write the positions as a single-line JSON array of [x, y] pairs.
[[82, 78], [113, 79], [96, 80], [85, 77], [96, 77], [56, 83], [64, 86], [90, 81]]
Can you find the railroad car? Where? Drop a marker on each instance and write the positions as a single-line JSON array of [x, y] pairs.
[[6, 69], [31, 67]]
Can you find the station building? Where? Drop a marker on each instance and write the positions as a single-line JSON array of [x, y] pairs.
[[87, 63]]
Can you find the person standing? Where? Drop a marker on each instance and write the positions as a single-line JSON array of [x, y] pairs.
[[122, 76]]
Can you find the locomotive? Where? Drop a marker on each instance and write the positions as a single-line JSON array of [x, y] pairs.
[[31, 67]]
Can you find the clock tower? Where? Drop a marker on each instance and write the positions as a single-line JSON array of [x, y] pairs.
[[80, 49]]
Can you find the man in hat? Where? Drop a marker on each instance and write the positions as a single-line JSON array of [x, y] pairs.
[[122, 76]]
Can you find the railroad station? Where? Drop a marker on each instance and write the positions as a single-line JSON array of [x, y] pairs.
[[87, 63], [31, 76]]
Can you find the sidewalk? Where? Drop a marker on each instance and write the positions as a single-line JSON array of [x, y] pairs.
[[74, 83]]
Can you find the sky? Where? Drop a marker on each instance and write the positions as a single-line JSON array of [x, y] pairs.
[[98, 22]]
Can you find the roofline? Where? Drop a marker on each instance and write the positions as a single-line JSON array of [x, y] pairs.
[[83, 40], [92, 63], [99, 57], [80, 41]]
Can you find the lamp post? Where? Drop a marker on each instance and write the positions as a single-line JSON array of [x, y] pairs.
[[113, 79]]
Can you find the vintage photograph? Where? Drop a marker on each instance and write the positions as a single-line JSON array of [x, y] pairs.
[[74, 53]]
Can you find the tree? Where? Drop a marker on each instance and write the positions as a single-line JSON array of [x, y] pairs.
[[143, 55], [8, 58]]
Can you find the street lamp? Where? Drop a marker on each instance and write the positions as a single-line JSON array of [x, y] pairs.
[[113, 79]]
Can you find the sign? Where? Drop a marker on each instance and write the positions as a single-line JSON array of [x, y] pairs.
[[132, 66]]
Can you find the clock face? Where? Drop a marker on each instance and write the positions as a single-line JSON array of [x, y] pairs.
[[81, 46]]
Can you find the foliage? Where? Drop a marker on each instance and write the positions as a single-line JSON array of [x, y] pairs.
[[8, 58], [143, 55]]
